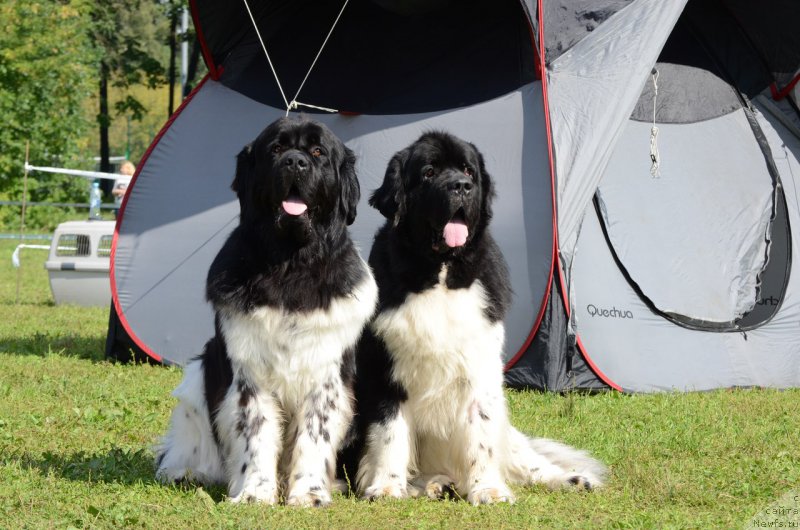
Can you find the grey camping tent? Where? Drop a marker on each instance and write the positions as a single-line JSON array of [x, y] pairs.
[[662, 132]]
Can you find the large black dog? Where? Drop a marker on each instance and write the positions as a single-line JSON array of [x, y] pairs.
[[429, 387], [267, 405]]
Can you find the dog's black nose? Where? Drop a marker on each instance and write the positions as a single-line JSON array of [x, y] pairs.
[[461, 186], [296, 161]]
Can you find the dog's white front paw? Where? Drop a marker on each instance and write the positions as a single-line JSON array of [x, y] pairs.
[[261, 490], [438, 485], [395, 490], [308, 494], [172, 475], [489, 494]]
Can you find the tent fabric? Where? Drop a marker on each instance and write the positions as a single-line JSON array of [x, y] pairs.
[[772, 31], [640, 351], [570, 21], [684, 94], [553, 360], [689, 259], [592, 91], [377, 61], [678, 282], [177, 238]]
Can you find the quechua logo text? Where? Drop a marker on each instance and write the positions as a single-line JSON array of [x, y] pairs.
[[605, 312]]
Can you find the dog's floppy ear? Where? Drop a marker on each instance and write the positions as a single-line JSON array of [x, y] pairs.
[[487, 188], [244, 165], [390, 198], [350, 189]]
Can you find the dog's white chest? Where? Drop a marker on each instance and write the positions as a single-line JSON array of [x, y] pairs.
[[291, 351], [440, 340]]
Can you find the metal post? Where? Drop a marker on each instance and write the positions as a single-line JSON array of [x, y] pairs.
[[22, 215]]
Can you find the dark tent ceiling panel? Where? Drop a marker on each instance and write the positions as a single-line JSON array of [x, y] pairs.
[[378, 60]]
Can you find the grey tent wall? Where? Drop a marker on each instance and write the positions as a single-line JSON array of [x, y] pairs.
[[640, 350], [554, 361], [180, 208]]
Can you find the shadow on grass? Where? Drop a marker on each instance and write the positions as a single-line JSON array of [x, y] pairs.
[[46, 344], [117, 466]]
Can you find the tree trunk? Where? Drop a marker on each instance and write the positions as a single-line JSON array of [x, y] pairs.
[[173, 45], [104, 119], [194, 59]]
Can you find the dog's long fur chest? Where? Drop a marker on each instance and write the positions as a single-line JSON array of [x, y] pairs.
[[293, 351], [441, 339]]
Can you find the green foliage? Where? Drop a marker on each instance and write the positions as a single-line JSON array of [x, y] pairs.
[[131, 35], [47, 70], [51, 58], [128, 33], [76, 437]]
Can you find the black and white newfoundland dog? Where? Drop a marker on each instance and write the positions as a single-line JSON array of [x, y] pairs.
[[268, 403], [432, 415]]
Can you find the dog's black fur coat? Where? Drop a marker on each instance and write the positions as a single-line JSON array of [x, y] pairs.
[[408, 253]]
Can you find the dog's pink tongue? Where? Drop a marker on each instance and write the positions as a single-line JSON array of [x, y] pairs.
[[455, 233], [294, 206]]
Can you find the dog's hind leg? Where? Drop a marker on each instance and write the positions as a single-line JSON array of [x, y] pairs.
[[539, 460], [188, 451], [249, 424]]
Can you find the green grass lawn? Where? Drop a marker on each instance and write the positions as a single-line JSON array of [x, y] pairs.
[[76, 432]]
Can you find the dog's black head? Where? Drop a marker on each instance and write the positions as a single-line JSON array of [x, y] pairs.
[[438, 191], [298, 177]]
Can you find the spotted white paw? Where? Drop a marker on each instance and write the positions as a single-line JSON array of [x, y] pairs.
[[438, 485], [582, 482], [393, 490], [313, 497], [256, 490], [486, 494]]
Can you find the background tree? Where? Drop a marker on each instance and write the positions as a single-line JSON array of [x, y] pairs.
[[130, 36], [47, 70], [66, 65]]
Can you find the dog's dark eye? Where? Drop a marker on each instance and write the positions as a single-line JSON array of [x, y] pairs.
[[316, 151], [428, 172], [277, 149], [468, 171]]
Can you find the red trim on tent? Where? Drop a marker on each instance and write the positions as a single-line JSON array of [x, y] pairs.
[[778, 95], [214, 71], [579, 343], [540, 68], [595, 369], [112, 273], [541, 62]]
